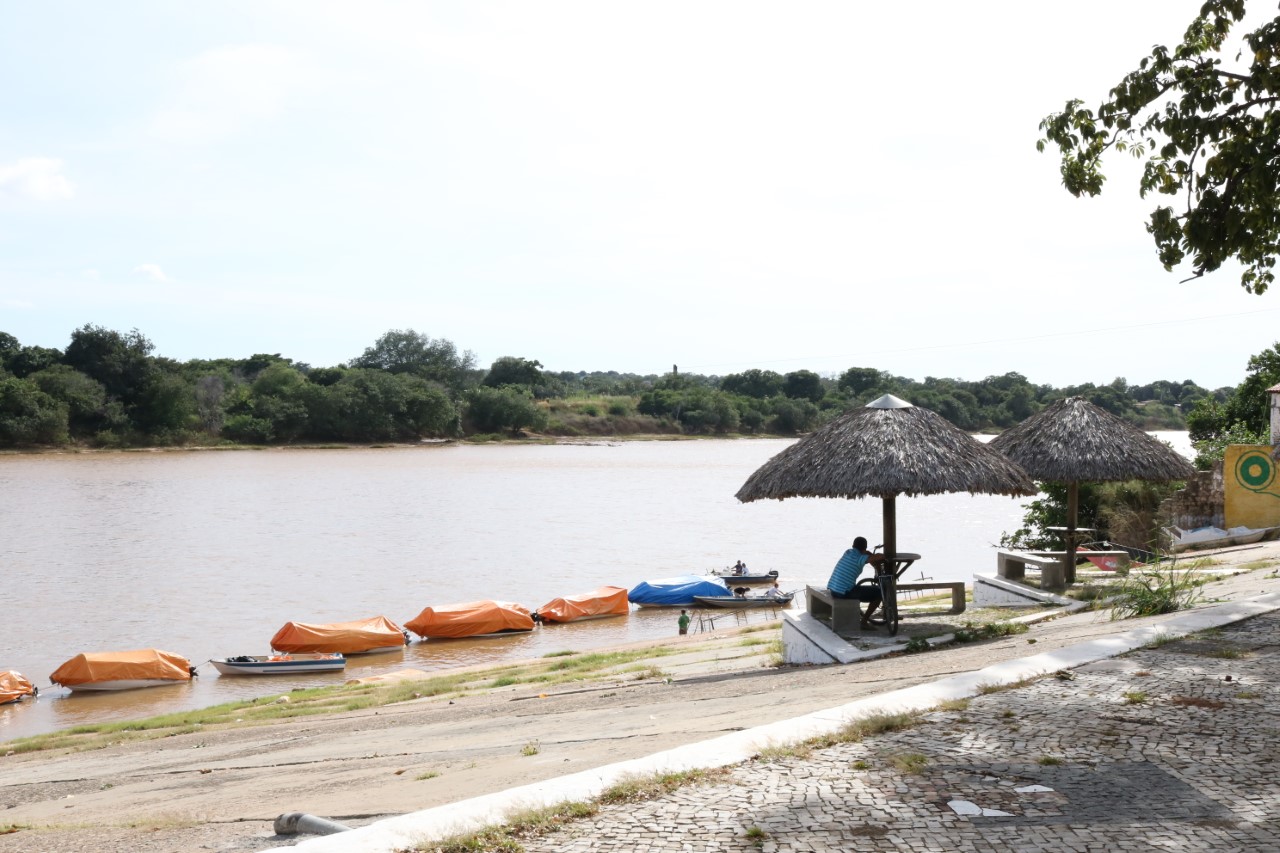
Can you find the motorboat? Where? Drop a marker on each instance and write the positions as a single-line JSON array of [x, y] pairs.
[[744, 602], [280, 664], [677, 591], [597, 604], [361, 637], [1214, 537], [14, 687], [732, 576], [122, 670], [472, 619]]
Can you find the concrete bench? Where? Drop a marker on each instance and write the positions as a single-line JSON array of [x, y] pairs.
[[956, 588], [844, 614], [1012, 565]]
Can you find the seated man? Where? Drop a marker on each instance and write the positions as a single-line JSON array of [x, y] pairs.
[[844, 578]]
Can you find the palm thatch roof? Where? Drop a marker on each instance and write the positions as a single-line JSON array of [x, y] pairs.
[[1073, 440], [885, 449]]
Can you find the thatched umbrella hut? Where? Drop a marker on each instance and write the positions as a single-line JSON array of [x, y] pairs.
[[1073, 441], [886, 449]]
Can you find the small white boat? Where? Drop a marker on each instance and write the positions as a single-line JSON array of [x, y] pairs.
[[743, 602], [285, 664], [1214, 537]]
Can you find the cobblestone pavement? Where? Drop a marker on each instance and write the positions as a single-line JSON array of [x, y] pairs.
[[1171, 748]]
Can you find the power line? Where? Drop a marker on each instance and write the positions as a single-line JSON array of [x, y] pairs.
[[869, 354]]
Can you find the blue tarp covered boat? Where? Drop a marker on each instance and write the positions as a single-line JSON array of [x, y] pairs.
[[676, 592]]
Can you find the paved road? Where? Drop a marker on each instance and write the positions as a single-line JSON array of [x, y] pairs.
[[1174, 748]]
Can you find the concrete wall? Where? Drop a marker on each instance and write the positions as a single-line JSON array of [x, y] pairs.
[[1200, 504], [1275, 419]]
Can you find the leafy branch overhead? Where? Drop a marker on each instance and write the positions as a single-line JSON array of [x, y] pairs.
[[1210, 138]]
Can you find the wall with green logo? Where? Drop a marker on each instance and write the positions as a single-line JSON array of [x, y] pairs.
[[1251, 486]]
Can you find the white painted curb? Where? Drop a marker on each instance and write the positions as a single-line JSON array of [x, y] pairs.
[[392, 834]]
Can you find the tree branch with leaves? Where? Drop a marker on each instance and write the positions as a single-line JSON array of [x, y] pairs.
[[1209, 136]]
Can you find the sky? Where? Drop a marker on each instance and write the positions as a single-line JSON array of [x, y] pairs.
[[596, 185]]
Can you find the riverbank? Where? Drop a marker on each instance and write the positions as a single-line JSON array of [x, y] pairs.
[[219, 787]]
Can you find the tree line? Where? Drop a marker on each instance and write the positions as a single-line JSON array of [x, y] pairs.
[[110, 389]]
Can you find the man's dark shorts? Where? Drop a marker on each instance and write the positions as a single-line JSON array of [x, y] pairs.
[[861, 592]]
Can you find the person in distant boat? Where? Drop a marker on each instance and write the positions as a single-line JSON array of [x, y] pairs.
[[774, 592], [844, 578], [683, 621], [739, 568]]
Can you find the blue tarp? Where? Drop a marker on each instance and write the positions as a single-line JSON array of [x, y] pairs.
[[675, 592]]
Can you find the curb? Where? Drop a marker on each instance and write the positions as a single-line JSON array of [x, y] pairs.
[[396, 833]]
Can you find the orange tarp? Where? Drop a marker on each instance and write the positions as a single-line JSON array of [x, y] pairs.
[[605, 601], [470, 619], [377, 632], [137, 665], [14, 685]]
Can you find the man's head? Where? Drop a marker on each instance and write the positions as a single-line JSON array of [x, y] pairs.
[[860, 544]]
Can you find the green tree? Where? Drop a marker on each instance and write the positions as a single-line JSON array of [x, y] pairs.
[[1208, 134], [859, 380], [407, 351], [88, 409], [30, 416], [29, 360], [121, 362], [760, 384], [803, 385], [510, 370], [507, 409]]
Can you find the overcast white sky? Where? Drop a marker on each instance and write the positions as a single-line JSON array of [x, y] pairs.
[[596, 185]]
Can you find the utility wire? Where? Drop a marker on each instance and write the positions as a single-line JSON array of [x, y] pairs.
[[870, 354]]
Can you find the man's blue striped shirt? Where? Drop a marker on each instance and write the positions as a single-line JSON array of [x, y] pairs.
[[846, 571]]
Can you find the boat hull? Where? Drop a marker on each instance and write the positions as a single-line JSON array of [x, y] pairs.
[[125, 684], [281, 665], [739, 580], [736, 603]]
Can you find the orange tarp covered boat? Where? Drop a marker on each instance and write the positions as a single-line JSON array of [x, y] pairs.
[[605, 601], [14, 686], [471, 619], [377, 634], [122, 670]]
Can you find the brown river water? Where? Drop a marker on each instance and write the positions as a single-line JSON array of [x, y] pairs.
[[207, 553]]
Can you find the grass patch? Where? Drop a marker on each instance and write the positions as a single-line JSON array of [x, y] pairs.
[[1048, 761], [987, 688], [953, 705], [530, 748], [1155, 591], [522, 825], [1161, 640], [560, 654], [1246, 694], [1225, 653], [1134, 697], [422, 777], [636, 789], [972, 632], [910, 762], [915, 645]]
